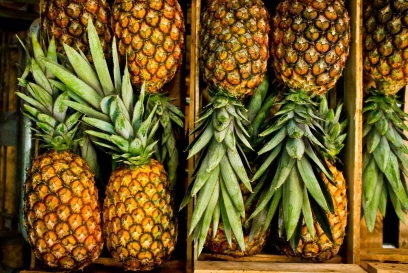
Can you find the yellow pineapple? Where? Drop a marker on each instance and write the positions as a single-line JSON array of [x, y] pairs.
[[310, 43], [151, 35], [140, 228], [67, 20], [309, 47], [233, 55], [385, 47], [62, 214]]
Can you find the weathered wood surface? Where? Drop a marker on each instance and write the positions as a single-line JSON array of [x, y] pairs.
[[258, 267], [272, 258], [353, 101], [385, 254], [387, 268]]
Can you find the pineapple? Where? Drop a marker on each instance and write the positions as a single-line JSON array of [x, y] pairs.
[[140, 228], [310, 45], [151, 36], [62, 214], [258, 110], [66, 20], [384, 151], [319, 247], [233, 58]]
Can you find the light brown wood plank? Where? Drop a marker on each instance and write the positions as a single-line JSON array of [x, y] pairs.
[[257, 267], [353, 149], [265, 258], [374, 239], [194, 109], [385, 254], [387, 268], [364, 264], [403, 229]]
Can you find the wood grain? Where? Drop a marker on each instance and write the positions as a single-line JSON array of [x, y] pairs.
[[194, 109], [353, 103], [387, 268], [385, 254], [265, 258], [258, 267], [403, 228]]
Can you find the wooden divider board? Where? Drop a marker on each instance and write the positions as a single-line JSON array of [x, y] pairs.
[[257, 267], [353, 103]]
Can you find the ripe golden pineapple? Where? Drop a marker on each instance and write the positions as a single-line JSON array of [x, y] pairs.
[[67, 21], [385, 48], [61, 208], [140, 228], [310, 43], [61, 211], [233, 57], [234, 45], [138, 215], [151, 35], [385, 44]]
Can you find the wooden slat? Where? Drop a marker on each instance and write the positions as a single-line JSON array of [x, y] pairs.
[[384, 254], [194, 109], [403, 228], [353, 149], [257, 267], [387, 268], [265, 258]]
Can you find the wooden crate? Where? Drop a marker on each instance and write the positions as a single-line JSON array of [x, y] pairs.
[[352, 157], [372, 245]]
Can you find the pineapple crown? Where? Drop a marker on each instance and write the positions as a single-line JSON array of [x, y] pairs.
[[384, 157], [333, 138], [57, 125], [292, 151], [108, 104]]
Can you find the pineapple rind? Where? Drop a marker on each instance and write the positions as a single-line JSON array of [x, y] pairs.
[[62, 211], [67, 21], [140, 227], [151, 36], [385, 44], [234, 47], [310, 43]]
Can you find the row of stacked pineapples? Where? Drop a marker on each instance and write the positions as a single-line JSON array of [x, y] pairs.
[[266, 143]]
